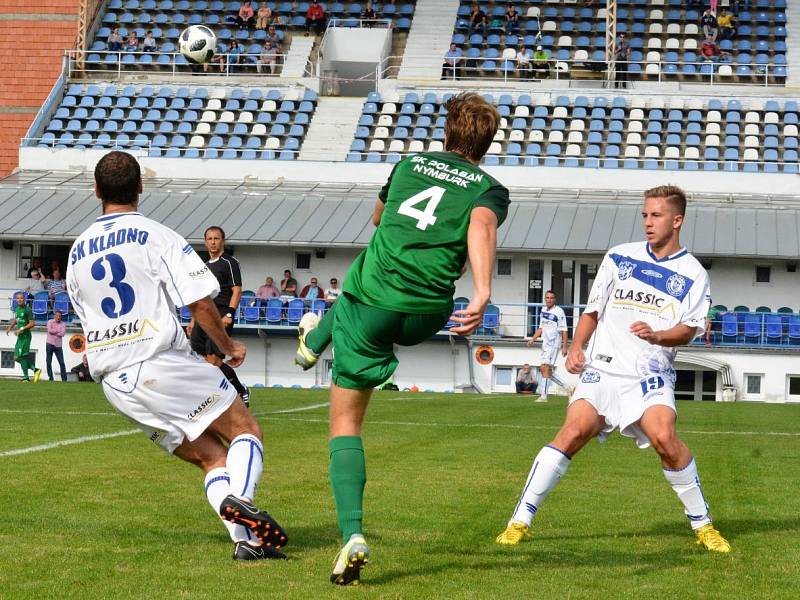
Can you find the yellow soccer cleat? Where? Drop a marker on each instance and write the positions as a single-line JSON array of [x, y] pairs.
[[305, 357], [351, 558], [513, 534], [711, 539], [37, 374]]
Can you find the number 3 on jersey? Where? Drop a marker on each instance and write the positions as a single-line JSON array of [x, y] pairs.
[[127, 297], [424, 217]]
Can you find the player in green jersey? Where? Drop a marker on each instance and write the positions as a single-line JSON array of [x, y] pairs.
[[436, 210], [22, 323]]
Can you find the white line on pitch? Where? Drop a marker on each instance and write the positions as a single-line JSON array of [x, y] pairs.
[[58, 412], [71, 442], [293, 410]]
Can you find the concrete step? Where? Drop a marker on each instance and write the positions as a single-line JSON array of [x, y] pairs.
[[428, 39], [331, 129]]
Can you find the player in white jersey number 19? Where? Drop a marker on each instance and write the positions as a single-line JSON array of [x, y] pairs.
[[127, 274], [648, 298]]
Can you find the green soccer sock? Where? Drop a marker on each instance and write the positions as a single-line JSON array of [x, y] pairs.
[[320, 337], [23, 362], [348, 473]]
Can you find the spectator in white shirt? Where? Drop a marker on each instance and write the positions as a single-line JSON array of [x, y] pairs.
[[333, 292]]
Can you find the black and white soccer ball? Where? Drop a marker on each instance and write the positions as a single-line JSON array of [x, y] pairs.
[[198, 44]]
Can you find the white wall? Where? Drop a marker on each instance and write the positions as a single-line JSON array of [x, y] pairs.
[[733, 282]]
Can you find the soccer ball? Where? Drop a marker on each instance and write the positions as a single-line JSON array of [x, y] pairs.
[[198, 44]]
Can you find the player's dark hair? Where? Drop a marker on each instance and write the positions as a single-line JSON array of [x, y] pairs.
[[214, 228], [550, 292], [674, 195], [118, 176], [471, 125]]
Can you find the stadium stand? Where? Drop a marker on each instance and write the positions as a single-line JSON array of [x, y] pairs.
[[182, 121], [664, 36], [601, 131]]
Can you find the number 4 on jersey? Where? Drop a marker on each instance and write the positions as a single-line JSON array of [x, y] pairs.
[[424, 217]]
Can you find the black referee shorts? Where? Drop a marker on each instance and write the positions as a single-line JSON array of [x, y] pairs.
[[202, 344]]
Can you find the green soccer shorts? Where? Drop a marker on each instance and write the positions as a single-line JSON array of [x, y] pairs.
[[364, 338], [23, 347]]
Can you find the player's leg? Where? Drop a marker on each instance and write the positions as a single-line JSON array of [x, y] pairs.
[[314, 335], [545, 371], [680, 471], [49, 348], [21, 356], [228, 371], [582, 423], [59, 352]]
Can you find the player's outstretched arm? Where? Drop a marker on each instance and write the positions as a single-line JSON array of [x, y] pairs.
[[535, 337], [206, 315], [586, 326], [680, 335], [481, 244]]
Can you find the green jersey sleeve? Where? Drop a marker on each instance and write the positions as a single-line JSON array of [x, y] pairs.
[[384, 193], [495, 199]]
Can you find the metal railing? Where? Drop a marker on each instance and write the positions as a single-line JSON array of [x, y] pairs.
[[358, 22]]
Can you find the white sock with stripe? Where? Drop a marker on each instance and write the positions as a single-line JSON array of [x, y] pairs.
[[217, 485], [686, 484], [245, 463], [548, 468]]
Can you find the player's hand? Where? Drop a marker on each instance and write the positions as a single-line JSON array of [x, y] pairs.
[[644, 332], [530, 343], [470, 317], [236, 357], [563, 351], [575, 360], [190, 327], [227, 321], [17, 332]]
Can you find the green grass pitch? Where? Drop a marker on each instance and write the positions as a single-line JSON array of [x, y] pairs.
[[117, 518]]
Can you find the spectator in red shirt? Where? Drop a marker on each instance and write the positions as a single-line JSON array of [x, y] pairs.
[[246, 16], [315, 17], [312, 291]]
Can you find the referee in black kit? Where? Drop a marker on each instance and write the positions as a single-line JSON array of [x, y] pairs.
[[226, 269]]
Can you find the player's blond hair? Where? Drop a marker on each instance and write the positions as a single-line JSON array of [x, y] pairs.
[[673, 194], [470, 126]]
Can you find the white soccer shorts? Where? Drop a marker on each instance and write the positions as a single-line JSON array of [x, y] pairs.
[[549, 354], [623, 400], [172, 396]]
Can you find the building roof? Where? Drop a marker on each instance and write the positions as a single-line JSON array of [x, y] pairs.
[[57, 207]]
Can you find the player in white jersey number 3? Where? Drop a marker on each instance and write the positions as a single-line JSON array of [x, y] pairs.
[[126, 275], [648, 298]]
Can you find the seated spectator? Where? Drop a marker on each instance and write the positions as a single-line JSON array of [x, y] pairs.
[[368, 14], [246, 17], [132, 42], [219, 58], [268, 290], [56, 283], [708, 25], [269, 57], [36, 265], [114, 42], [312, 291], [275, 36], [587, 3], [264, 16], [37, 283], [54, 266], [315, 18], [288, 284], [727, 25], [526, 382], [149, 43], [710, 51], [235, 55], [82, 371], [452, 59], [523, 61], [541, 63], [512, 20], [478, 23], [333, 292]]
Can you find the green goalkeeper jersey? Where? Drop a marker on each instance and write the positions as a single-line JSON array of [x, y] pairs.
[[23, 316], [415, 256]]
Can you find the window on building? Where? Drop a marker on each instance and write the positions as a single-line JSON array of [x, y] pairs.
[[794, 386], [752, 384], [327, 371], [503, 376], [763, 274], [504, 267], [710, 385], [684, 385], [6, 359], [302, 261]]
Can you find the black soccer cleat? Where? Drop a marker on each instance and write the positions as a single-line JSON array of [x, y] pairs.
[[245, 551], [245, 396], [264, 527]]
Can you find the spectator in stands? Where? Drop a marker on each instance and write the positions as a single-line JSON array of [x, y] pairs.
[[56, 328], [269, 57], [541, 63], [114, 42], [149, 42], [333, 292], [56, 283], [312, 291], [268, 290], [710, 51], [587, 3], [53, 267], [523, 62], [288, 284], [275, 36], [512, 20], [727, 25], [235, 55], [82, 371], [708, 25], [219, 58], [132, 42], [696, 4], [37, 283], [315, 17], [526, 382], [246, 17], [36, 265], [622, 55], [264, 16], [451, 62], [368, 14], [478, 23]]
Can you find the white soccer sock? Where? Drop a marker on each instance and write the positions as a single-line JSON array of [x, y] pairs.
[[686, 484], [548, 468], [545, 386], [245, 463], [217, 485]]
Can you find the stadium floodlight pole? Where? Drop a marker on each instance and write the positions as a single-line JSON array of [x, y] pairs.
[[611, 39]]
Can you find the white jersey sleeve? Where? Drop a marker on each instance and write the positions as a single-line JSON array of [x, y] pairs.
[[601, 288], [562, 319], [184, 275], [696, 304]]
